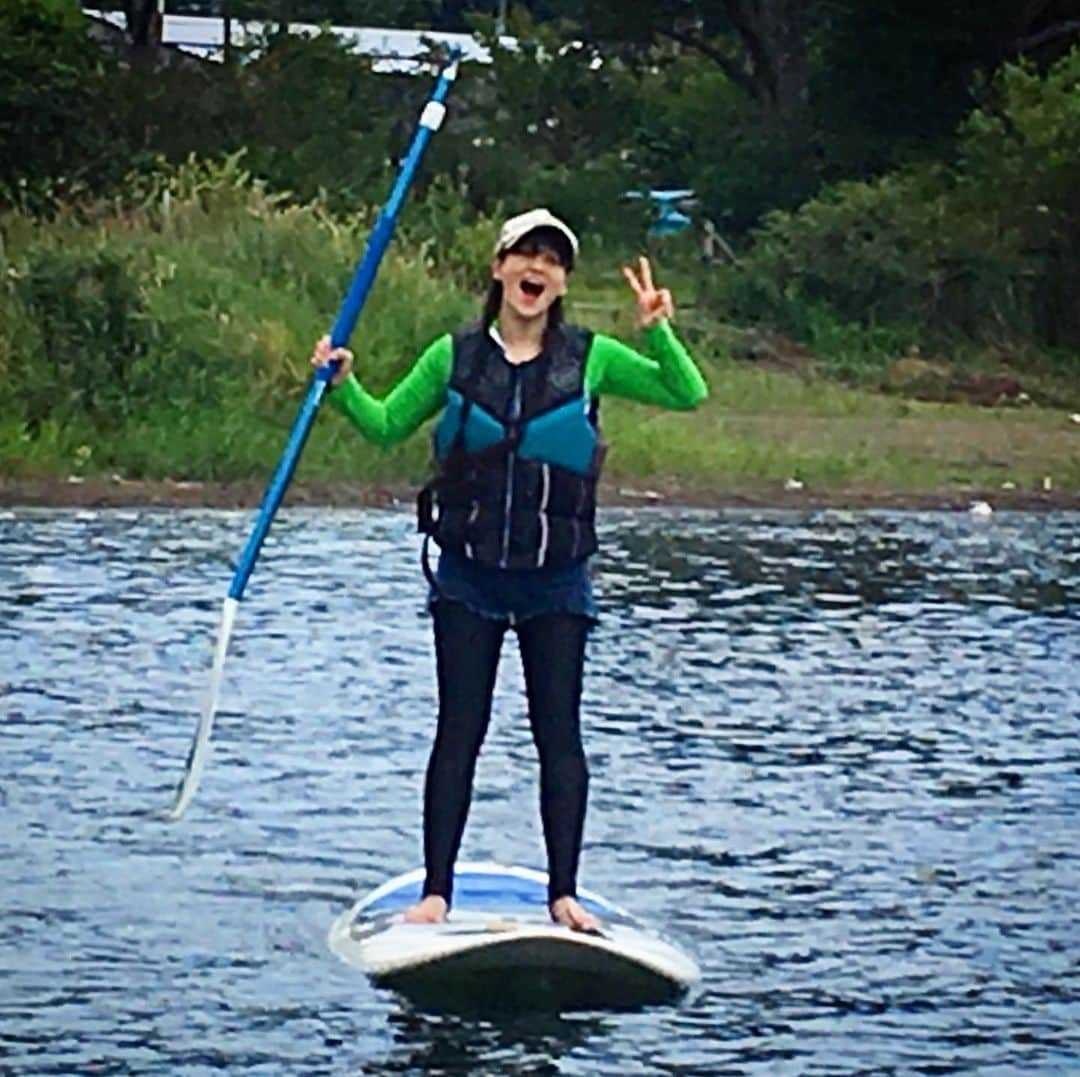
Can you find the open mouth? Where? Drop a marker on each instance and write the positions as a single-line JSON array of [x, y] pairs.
[[532, 289]]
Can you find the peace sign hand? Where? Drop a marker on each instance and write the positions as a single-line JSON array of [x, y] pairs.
[[653, 304]]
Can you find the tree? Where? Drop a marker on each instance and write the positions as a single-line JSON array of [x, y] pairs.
[[761, 45], [60, 114], [1040, 30], [144, 26], [897, 76]]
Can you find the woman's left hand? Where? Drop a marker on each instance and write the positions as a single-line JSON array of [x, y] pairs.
[[653, 304]]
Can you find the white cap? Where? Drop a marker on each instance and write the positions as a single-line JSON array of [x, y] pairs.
[[518, 227]]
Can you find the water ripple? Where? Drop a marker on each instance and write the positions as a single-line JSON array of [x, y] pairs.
[[835, 754]]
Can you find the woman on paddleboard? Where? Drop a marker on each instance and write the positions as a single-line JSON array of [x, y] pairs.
[[512, 506]]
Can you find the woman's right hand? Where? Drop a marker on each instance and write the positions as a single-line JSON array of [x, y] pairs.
[[324, 355]]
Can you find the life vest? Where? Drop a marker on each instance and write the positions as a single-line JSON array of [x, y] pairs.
[[517, 454]]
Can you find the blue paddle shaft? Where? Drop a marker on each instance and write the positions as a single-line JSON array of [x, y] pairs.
[[359, 289], [384, 227]]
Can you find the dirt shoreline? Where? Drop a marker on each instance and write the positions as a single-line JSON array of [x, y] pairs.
[[91, 492]]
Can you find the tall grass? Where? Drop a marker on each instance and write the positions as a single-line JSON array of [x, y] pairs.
[[167, 334], [171, 334]]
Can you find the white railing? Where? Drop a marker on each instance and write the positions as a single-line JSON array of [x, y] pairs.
[[392, 50]]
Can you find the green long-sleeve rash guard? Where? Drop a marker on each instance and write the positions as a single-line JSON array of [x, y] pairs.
[[666, 376]]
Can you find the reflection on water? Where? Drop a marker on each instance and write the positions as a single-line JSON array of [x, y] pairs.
[[835, 755], [432, 1043]]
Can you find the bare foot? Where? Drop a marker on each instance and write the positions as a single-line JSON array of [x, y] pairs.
[[429, 910], [568, 911]]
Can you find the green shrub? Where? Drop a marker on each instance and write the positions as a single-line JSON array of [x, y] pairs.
[[450, 237], [319, 120], [91, 333], [988, 250], [59, 129], [175, 326], [1021, 171]]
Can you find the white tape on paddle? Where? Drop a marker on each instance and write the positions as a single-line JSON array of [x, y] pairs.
[[433, 115], [200, 746]]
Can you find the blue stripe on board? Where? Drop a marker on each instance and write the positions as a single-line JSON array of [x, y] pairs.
[[485, 892]]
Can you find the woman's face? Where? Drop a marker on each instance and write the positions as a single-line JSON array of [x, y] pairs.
[[531, 281]]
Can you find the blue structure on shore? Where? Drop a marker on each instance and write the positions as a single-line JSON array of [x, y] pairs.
[[670, 206]]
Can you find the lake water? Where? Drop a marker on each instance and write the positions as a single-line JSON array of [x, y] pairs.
[[836, 756]]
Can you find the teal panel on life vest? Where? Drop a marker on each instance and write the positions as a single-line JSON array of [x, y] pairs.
[[449, 423], [482, 429], [563, 436]]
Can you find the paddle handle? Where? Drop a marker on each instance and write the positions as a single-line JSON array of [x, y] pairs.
[[363, 279]]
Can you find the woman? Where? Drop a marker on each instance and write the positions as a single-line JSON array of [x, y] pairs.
[[512, 506]]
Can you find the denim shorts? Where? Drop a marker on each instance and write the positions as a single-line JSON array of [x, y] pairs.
[[514, 595]]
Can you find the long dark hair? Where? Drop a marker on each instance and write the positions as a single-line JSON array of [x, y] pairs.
[[534, 242]]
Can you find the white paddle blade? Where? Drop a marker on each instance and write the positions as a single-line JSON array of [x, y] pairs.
[[200, 746]]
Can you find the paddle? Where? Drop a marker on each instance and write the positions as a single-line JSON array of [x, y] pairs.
[[364, 276]]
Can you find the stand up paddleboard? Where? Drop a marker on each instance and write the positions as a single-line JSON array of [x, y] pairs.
[[499, 948]]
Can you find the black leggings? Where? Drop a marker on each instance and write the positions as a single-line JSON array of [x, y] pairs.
[[467, 654]]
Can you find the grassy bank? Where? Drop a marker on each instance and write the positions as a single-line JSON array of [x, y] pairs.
[[166, 337]]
